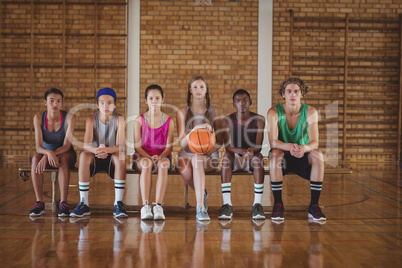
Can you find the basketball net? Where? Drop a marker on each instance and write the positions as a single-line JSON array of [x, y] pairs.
[[203, 2]]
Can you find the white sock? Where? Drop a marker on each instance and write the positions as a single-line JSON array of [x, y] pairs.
[[258, 191], [226, 190], [119, 186], [84, 190]]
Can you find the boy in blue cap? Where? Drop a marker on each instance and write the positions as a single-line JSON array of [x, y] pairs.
[[104, 150]]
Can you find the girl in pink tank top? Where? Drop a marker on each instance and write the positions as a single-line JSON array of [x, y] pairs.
[[153, 144]]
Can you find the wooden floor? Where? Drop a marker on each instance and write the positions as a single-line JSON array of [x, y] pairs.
[[364, 226]]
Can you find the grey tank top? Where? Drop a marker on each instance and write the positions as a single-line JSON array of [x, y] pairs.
[[200, 118], [54, 140], [104, 134]]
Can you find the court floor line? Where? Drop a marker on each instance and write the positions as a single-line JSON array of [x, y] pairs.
[[7, 183], [20, 195], [375, 191], [378, 179]]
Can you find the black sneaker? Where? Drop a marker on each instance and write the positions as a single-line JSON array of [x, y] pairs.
[[258, 212], [314, 212], [277, 212], [38, 209], [63, 209], [226, 212]]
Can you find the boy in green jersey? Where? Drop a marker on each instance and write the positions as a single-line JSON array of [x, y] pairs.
[[293, 137]]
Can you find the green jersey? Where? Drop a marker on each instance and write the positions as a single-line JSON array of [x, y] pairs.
[[299, 134]]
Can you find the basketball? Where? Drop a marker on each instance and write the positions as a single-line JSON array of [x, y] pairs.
[[201, 141]]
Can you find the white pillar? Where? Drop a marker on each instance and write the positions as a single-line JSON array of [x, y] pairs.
[[133, 94]]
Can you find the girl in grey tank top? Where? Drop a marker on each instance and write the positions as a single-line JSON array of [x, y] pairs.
[[192, 167]]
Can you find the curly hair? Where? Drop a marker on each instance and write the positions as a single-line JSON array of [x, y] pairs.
[[294, 80], [190, 114]]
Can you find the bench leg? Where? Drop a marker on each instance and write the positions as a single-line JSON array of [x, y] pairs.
[[55, 191], [185, 204]]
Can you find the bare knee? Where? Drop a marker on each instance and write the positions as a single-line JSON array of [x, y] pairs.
[[227, 160], [119, 159], [257, 161], [316, 158], [164, 164], [276, 157], [36, 158], [145, 163], [86, 158], [185, 168], [276, 154], [64, 160]]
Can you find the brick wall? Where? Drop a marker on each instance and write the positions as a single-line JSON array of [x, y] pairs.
[[318, 56], [76, 47], [179, 39], [220, 42]]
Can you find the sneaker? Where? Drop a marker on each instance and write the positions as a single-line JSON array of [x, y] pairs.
[[312, 222], [277, 212], [119, 210], [202, 214], [38, 209], [258, 212], [314, 212], [146, 213], [158, 212], [80, 211], [226, 212], [206, 200], [63, 209]]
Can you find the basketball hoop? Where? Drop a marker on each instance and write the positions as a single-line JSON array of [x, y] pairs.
[[203, 2]]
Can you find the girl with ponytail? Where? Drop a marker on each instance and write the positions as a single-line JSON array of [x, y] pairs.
[[198, 113]]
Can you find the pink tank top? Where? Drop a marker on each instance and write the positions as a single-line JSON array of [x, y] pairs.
[[154, 139]]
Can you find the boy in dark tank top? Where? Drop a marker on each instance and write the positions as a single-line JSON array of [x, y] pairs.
[[243, 133]]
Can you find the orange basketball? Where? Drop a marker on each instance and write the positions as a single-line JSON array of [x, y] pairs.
[[201, 141]]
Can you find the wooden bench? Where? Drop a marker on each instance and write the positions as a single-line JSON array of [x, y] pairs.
[[24, 173]]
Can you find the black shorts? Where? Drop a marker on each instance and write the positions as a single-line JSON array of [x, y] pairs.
[[300, 166], [102, 165]]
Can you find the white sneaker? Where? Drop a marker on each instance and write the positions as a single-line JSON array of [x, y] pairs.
[[202, 214], [146, 213], [158, 212]]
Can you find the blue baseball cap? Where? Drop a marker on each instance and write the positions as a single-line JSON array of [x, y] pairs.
[[106, 91]]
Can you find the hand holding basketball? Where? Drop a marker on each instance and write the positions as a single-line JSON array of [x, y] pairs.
[[201, 141], [205, 125]]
